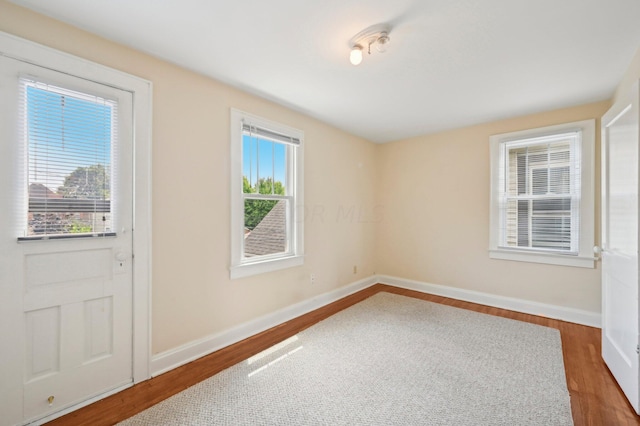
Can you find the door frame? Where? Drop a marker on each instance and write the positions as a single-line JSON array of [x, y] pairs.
[[612, 115], [141, 90]]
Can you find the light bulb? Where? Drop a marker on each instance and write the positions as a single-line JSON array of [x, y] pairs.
[[356, 55], [381, 43]]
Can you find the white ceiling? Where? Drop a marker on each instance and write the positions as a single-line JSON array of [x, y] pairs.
[[449, 64]]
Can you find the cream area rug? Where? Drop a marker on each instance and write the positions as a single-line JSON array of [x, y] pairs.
[[388, 360]]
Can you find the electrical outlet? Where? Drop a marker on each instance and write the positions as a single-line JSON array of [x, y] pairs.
[[313, 279], [355, 269]]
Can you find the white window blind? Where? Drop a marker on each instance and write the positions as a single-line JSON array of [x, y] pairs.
[[69, 144], [273, 135], [540, 193]]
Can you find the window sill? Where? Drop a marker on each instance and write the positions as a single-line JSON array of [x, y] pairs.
[[547, 258], [255, 268], [66, 236]]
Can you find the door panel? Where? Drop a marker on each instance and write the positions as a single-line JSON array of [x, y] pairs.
[[69, 299], [98, 316], [47, 269], [43, 343], [620, 316]]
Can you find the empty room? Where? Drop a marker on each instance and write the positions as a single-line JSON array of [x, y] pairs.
[[347, 212]]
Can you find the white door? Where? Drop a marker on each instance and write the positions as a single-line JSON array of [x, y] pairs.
[[65, 240], [620, 325]]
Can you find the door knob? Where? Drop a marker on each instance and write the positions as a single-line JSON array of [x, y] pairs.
[[598, 251]]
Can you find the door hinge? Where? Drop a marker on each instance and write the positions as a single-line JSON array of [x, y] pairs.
[[638, 349]]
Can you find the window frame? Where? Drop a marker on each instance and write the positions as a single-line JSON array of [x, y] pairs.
[[242, 266], [583, 255]]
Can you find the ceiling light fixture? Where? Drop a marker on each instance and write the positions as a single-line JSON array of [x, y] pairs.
[[376, 34]]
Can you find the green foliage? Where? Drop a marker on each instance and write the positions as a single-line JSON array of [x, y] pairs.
[[256, 210], [246, 186], [264, 186], [80, 228], [92, 182]]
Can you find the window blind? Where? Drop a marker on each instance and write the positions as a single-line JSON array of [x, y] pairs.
[[540, 193], [262, 132], [69, 146]]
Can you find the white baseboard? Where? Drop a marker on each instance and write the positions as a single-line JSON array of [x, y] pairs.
[[578, 316], [50, 417], [181, 355], [165, 361]]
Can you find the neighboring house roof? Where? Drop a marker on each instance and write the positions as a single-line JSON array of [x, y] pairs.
[[38, 190], [270, 235]]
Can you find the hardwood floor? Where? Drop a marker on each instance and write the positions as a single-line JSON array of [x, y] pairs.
[[596, 399]]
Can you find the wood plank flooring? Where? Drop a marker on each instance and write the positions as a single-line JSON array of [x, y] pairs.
[[596, 399]]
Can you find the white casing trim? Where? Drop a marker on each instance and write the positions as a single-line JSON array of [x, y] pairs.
[[255, 268], [578, 316], [166, 361], [548, 258]]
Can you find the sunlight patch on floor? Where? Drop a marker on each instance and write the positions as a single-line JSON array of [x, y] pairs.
[[272, 349], [275, 361]]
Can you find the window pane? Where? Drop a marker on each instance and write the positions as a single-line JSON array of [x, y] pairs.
[[551, 232], [544, 223], [69, 142], [511, 221], [264, 166], [520, 173], [523, 223], [280, 168], [539, 181], [535, 217], [560, 180], [265, 224], [560, 153], [540, 169], [553, 205], [265, 170]]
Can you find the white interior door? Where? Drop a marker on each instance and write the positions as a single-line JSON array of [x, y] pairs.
[[620, 324], [66, 253]]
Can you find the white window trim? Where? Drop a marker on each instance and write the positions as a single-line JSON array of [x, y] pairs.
[[584, 258], [243, 267]]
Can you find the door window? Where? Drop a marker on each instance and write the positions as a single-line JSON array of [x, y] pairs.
[[69, 142]]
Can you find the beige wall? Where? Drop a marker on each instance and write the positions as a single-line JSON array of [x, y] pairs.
[[630, 77], [435, 193], [193, 296]]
